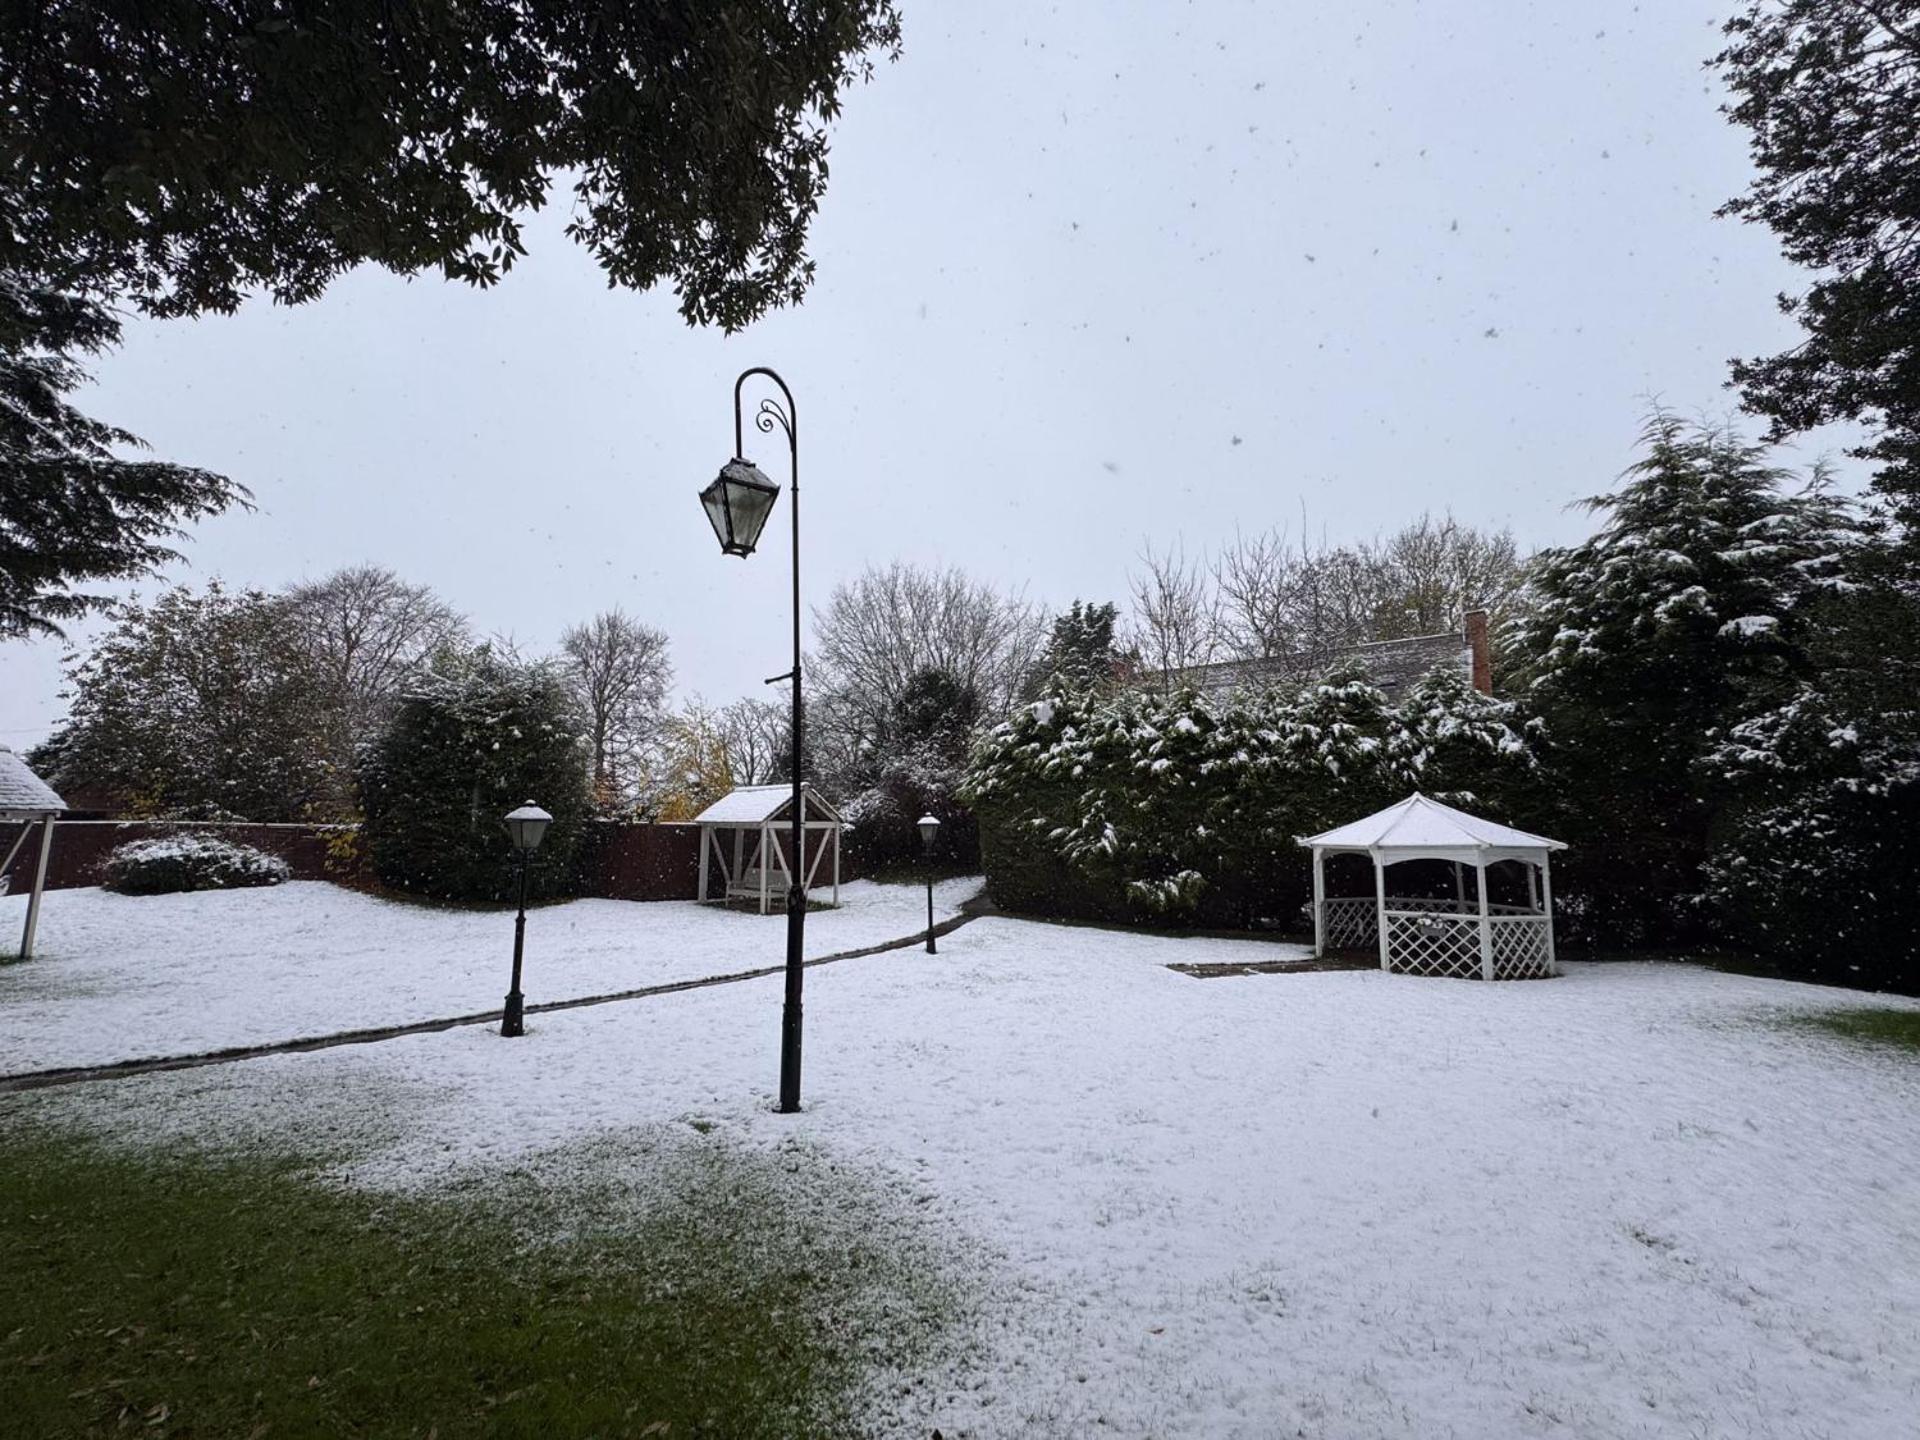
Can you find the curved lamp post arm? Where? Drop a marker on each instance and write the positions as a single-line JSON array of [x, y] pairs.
[[770, 414]]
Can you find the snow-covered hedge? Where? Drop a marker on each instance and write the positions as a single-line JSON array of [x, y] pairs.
[[1143, 806], [189, 862]]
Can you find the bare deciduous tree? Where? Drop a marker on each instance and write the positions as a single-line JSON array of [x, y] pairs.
[[1437, 570], [756, 733], [618, 670], [890, 624], [1173, 624], [367, 630], [1302, 605]]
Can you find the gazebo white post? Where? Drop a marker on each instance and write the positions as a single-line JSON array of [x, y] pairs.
[[706, 844], [1319, 904], [39, 884], [1380, 906], [1533, 885], [1486, 922], [1459, 887], [766, 865], [1546, 906], [836, 865]]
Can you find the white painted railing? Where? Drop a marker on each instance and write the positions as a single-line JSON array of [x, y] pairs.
[[1438, 936]]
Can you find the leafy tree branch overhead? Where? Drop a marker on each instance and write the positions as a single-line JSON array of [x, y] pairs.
[[179, 156], [73, 512], [184, 152], [1829, 92]]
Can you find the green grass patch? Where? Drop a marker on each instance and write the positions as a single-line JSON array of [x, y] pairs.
[[1877, 1026], [657, 1287], [914, 872]]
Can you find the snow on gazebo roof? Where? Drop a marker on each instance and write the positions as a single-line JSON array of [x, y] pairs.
[[1418, 823], [22, 792], [757, 804]]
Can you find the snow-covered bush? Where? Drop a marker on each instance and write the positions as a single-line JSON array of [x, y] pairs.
[[173, 863], [1687, 610], [1813, 863], [474, 737], [913, 765], [1137, 805]]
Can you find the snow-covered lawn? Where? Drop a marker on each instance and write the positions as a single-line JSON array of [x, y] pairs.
[[1626, 1203], [122, 977]]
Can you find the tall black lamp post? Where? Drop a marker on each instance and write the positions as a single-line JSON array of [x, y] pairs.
[[929, 830], [738, 503], [528, 827]]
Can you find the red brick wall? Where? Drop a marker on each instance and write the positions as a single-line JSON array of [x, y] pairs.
[[79, 847], [617, 861]]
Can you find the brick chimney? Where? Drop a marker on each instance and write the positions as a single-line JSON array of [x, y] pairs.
[[1482, 650]]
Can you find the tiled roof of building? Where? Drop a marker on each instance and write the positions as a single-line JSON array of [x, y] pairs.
[[1394, 666]]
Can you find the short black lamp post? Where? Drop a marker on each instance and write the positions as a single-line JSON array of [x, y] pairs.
[[528, 827], [929, 831], [737, 503]]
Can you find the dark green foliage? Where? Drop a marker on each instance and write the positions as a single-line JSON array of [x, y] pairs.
[[1830, 94], [174, 863], [201, 705], [184, 154], [1814, 862], [1080, 650], [1686, 610], [915, 769], [700, 1291], [1142, 806], [72, 513], [476, 736]]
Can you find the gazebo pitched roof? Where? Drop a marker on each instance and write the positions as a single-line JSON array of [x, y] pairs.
[[22, 792], [757, 804], [1418, 823]]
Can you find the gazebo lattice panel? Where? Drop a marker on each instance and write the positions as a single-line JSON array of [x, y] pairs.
[[1433, 944], [1350, 923], [1520, 948]]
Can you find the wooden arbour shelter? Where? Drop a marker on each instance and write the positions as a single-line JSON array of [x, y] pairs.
[[745, 840], [24, 799], [1466, 934]]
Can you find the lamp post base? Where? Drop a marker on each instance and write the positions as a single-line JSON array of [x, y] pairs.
[[511, 1022]]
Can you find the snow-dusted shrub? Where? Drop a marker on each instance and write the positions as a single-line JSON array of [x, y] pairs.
[[173, 863], [475, 736], [1814, 861], [913, 766], [1137, 805], [1176, 896], [1687, 610]]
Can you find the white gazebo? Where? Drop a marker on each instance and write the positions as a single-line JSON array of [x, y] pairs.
[[743, 835], [25, 798], [1467, 935]]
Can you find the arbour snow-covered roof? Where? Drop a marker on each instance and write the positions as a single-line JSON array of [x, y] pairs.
[[757, 804], [1419, 823], [22, 792]]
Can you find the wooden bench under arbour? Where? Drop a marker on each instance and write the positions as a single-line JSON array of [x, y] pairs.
[[745, 837]]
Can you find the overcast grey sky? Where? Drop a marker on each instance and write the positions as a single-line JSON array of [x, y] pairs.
[[1088, 274]]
